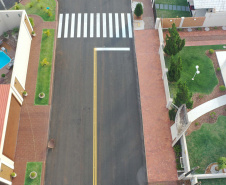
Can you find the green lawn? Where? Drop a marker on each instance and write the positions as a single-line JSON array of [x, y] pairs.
[[213, 181], [191, 56], [44, 72], [173, 2], [207, 144], [172, 13], [39, 8], [33, 166]]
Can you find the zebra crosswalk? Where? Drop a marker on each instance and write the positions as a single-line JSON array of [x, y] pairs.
[[99, 25]]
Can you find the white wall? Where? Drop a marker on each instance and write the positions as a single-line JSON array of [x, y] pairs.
[[22, 54], [11, 21], [215, 19]]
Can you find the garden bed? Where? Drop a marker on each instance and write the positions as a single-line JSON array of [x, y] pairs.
[[33, 166]]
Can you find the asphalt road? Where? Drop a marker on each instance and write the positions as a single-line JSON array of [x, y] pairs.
[[7, 3], [120, 147]]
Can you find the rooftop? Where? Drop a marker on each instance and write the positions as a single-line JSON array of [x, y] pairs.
[[218, 5]]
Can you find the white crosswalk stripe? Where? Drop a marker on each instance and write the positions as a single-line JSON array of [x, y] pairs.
[[123, 25], [79, 25], [85, 26], [110, 25], [105, 25], [72, 25], [116, 26]]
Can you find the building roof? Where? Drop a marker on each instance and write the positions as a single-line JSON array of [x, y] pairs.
[[4, 94], [218, 5]]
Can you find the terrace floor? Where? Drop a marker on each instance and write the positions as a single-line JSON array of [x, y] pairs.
[[10, 51]]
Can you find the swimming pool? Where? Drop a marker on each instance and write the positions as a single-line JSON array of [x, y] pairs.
[[4, 59]]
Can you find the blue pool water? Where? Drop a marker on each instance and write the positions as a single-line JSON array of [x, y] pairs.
[[4, 59]]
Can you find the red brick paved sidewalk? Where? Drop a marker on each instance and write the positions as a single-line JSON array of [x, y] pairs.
[[34, 120], [160, 157]]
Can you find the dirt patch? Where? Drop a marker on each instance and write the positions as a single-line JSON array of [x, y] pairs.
[[199, 99]]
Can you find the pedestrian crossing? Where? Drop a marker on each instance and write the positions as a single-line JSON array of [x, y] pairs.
[[95, 25]]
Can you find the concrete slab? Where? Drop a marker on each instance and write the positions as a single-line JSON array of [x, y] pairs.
[[157, 6], [187, 9], [174, 7], [221, 57], [183, 8], [178, 8], [161, 6], [170, 7], [166, 6]]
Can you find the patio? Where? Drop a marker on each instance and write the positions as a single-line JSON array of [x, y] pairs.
[[10, 50]]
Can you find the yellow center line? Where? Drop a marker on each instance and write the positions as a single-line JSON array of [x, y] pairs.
[[95, 118]]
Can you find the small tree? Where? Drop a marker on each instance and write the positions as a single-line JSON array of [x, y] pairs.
[[17, 7], [183, 95], [138, 10], [47, 32], [221, 163], [175, 70], [174, 44], [44, 62]]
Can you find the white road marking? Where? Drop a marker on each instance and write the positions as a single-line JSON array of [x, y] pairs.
[[79, 25], [60, 25], [123, 25], [98, 25], [91, 24], [129, 25], [116, 25], [66, 25], [72, 25], [104, 25], [112, 49], [110, 25], [85, 26]]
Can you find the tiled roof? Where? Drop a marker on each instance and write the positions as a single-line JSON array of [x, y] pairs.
[[4, 93], [219, 5]]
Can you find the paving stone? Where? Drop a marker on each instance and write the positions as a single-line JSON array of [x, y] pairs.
[[187, 9], [161, 6], [183, 8], [174, 7], [179, 8], [170, 7], [157, 6], [166, 6]]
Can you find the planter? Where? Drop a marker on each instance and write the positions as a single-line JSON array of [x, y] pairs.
[[33, 175], [25, 93], [6, 37], [33, 34], [41, 95], [13, 174]]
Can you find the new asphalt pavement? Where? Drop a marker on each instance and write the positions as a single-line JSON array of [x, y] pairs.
[[120, 146]]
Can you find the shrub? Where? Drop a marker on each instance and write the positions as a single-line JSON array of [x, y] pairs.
[[201, 96], [221, 163], [32, 21], [175, 70], [174, 44], [183, 95], [30, 5], [212, 114], [41, 6], [15, 30], [5, 34], [33, 174], [49, 13], [215, 27], [211, 51], [44, 62], [138, 10], [13, 174], [17, 7], [180, 29], [47, 32], [199, 29], [3, 75], [196, 123], [172, 114], [222, 88], [218, 69]]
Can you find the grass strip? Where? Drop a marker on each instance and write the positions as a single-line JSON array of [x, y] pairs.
[[33, 166], [39, 8], [44, 72]]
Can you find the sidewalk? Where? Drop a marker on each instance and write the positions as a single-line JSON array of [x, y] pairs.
[[34, 120], [160, 157]]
